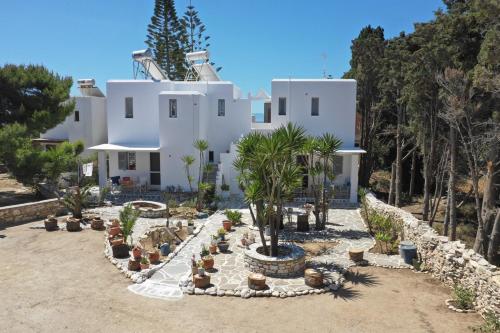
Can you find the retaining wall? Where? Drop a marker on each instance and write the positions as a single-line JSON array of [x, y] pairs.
[[450, 262], [30, 211]]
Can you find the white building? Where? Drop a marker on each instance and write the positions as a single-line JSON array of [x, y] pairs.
[[151, 124]]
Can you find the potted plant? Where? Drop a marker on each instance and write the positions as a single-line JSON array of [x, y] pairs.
[[223, 246], [213, 245], [227, 224], [208, 260], [51, 223], [144, 263], [128, 217], [194, 266], [201, 268], [222, 234], [97, 223], [154, 256], [137, 252], [73, 224]]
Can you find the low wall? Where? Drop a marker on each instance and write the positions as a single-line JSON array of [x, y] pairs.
[[448, 261], [30, 211]]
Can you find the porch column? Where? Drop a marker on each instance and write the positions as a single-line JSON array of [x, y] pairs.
[[103, 172], [353, 197]]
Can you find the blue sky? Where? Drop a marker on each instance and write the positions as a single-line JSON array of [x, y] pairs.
[[254, 40]]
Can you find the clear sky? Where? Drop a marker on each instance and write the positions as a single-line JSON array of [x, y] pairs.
[[254, 40]]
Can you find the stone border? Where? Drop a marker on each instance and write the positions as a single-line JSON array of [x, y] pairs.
[[450, 306], [143, 275], [448, 261], [31, 211], [150, 213], [282, 267]]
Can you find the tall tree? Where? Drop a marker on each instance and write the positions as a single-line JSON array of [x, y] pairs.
[[165, 37], [195, 30], [367, 54], [33, 96]]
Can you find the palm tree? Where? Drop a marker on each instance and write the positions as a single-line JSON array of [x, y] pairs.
[[201, 146], [188, 161], [328, 145]]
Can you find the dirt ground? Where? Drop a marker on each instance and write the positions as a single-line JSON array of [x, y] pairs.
[[13, 192], [60, 281]]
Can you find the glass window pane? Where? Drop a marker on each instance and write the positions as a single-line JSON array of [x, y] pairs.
[[172, 106], [222, 108], [77, 115], [129, 107], [338, 165], [131, 161], [155, 178], [122, 161], [154, 161], [315, 106], [282, 106]]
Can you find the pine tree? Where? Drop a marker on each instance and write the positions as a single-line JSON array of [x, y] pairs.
[[166, 37]]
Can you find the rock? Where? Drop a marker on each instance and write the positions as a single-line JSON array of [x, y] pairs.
[[283, 295], [275, 294], [290, 294], [199, 291], [190, 290], [229, 293], [221, 292]]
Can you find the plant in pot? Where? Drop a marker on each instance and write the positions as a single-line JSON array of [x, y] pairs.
[[222, 234], [234, 216], [223, 246], [76, 199], [154, 256], [51, 223], [128, 217], [227, 224], [201, 268], [213, 245], [208, 260], [144, 263], [194, 266], [97, 223]]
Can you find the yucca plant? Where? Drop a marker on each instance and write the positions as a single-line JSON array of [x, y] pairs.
[[76, 200]]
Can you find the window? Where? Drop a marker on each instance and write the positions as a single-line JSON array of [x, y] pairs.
[[315, 106], [211, 156], [221, 108], [338, 165], [126, 161], [129, 107], [267, 112], [172, 108], [77, 115], [282, 106]]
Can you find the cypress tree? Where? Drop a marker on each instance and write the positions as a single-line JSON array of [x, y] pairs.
[[166, 37]]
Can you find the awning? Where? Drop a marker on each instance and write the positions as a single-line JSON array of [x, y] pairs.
[[124, 147], [349, 151]]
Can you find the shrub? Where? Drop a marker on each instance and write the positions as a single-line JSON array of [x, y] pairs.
[[491, 324], [234, 216], [463, 297], [76, 200], [128, 217]]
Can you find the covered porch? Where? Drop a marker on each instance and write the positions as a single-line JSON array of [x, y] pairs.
[[129, 167]]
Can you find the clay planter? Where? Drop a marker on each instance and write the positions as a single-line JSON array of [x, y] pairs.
[[73, 224], [134, 264], [116, 241], [120, 251], [115, 223], [201, 281], [256, 281], [153, 256], [208, 263], [97, 223], [51, 223], [137, 252], [313, 278], [113, 231], [144, 266], [223, 246], [213, 248], [227, 225], [356, 254]]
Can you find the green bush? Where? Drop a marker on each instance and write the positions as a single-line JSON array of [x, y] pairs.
[[491, 324], [233, 216], [463, 297], [128, 217]]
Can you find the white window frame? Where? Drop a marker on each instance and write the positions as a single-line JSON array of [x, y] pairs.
[[127, 159]]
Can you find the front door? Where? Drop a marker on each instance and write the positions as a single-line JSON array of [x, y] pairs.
[[154, 168]]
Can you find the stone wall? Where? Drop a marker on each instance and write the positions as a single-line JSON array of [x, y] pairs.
[[450, 262], [281, 267], [30, 211]]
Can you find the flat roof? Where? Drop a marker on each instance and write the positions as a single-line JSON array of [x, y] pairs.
[[314, 80], [353, 150], [125, 147], [181, 92]]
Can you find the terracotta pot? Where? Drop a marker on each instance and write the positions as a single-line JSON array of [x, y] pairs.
[[115, 223], [227, 225], [120, 251], [208, 263], [134, 265], [144, 266], [116, 241], [153, 256], [136, 252], [201, 281], [113, 231], [51, 224], [212, 248], [256, 281]]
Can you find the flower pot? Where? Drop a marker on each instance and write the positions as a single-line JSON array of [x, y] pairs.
[[136, 252], [113, 231], [201, 281], [201, 271], [73, 224], [212, 248], [227, 225], [51, 224], [116, 241], [144, 266], [120, 251], [165, 249], [208, 263], [115, 223], [154, 256], [223, 246], [134, 264], [97, 223]]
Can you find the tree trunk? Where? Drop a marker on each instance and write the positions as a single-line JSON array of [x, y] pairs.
[[258, 222], [451, 185], [399, 167], [390, 200], [259, 207], [493, 256], [446, 221], [427, 182], [412, 175], [490, 194]]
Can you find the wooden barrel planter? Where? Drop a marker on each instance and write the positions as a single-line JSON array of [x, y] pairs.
[[256, 281], [120, 250], [356, 254], [201, 281], [313, 278], [73, 224], [134, 264], [97, 223], [51, 223], [303, 222]]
